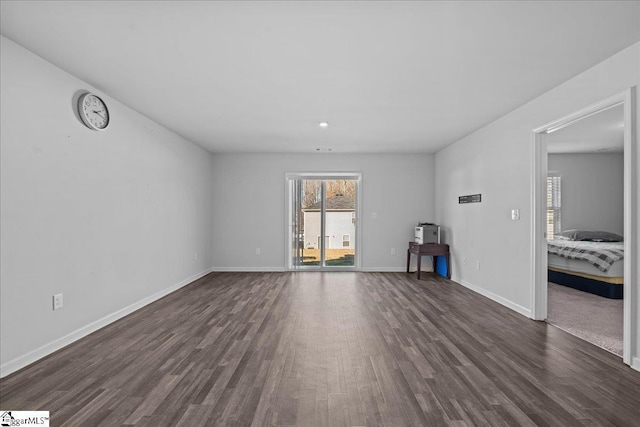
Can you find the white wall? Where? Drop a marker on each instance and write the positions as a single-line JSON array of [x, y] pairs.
[[108, 218], [592, 190], [497, 161], [249, 190]]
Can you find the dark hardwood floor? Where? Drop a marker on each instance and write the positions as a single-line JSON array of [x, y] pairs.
[[334, 349]]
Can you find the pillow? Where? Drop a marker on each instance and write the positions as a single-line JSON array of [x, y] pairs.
[[590, 236]]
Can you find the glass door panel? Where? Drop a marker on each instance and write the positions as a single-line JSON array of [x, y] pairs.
[[323, 207], [306, 226], [340, 222]]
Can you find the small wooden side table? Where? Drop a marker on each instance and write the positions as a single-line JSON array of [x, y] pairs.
[[429, 249]]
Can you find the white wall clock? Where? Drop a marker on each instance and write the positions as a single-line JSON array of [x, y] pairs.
[[93, 111]]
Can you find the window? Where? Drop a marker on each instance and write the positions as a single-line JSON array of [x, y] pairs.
[[554, 217], [346, 240]]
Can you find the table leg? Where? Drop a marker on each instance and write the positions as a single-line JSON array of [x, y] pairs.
[[419, 267], [408, 259]]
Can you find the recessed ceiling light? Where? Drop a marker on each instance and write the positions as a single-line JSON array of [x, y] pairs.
[[323, 125]]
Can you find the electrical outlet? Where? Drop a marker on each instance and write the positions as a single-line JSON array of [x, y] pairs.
[[393, 251], [478, 265], [464, 260], [257, 251], [195, 256], [515, 214], [57, 302]]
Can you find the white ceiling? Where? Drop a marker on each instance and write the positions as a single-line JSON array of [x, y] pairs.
[[260, 76], [601, 132]]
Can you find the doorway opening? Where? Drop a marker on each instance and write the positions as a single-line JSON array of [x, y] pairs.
[[545, 214], [322, 216], [585, 206]]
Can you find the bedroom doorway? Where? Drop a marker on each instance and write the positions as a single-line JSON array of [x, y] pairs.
[[585, 184], [543, 140]]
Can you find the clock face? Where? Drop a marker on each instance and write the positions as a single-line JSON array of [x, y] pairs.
[[93, 111]]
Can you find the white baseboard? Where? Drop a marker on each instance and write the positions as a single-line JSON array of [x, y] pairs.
[[635, 363], [247, 269], [384, 269], [281, 269], [500, 300], [34, 355]]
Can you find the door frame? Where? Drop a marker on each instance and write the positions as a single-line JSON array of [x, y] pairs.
[[538, 225], [289, 178]]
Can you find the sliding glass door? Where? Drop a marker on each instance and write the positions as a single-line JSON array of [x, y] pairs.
[[322, 219]]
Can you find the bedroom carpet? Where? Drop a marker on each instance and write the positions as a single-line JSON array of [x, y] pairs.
[[591, 317]]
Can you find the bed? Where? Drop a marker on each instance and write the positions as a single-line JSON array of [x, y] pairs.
[[596, 267]]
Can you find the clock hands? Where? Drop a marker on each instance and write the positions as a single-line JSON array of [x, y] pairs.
[[98, 113]]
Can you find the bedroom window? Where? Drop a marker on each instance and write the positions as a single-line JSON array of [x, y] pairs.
[[554, 222]]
